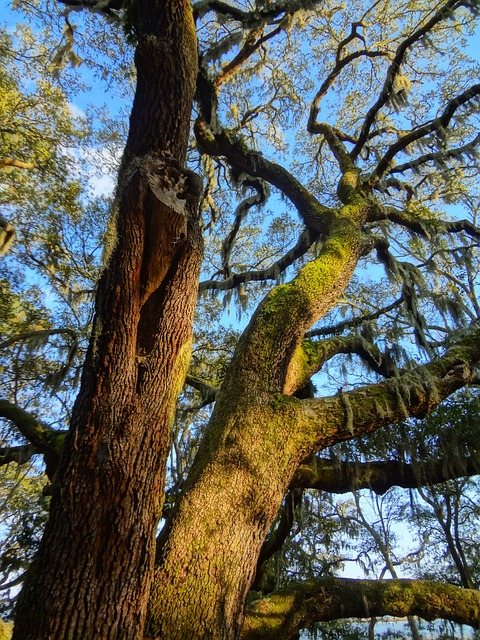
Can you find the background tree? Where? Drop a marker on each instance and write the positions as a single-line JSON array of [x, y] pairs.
[[306, 185]]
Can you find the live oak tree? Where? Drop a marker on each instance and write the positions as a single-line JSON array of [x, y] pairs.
[[339, 135]]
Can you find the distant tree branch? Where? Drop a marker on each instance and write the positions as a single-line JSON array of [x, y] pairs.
[[354, 322], [19, 454], [305, 241], [207, 392], [259, 198], [438, 124], [252, 43], [43, 438], [443, 13], [426, 228], [283, 613], [275, 542], [335, 476], [437, 156], [37, 334]]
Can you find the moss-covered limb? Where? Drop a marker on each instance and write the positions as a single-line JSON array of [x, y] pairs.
[[207, 392], [253, 42], [311, 355], [42, 438], [305, 241], [290, 309], [216, 142], [380, 475], [39, 336], [283, 613], [255, 17], [415, 393]]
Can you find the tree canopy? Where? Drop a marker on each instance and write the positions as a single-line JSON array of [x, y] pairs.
[[249, 370]]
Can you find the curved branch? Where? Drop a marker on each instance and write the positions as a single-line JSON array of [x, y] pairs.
[[329, 420], [440, 123], [443, 13], [313, 126], [311, 356], [437, 156], [214, 141], [354, 322], [283, 613], [305, 241], [379, 476], [241, 212]]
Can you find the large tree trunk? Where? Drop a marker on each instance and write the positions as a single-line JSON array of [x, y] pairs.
[[92, 575], [209, 550]]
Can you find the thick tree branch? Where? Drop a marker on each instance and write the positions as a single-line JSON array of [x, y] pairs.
[[311, 356], [336, 476], [443, 13], [426, 228], [305, 241], [315, 215], [326, 421], [216, 142], [283, 613], [335, 144], [252, 18]]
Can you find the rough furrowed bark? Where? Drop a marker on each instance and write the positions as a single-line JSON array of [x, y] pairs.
[[210, 550], [92, 575]]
